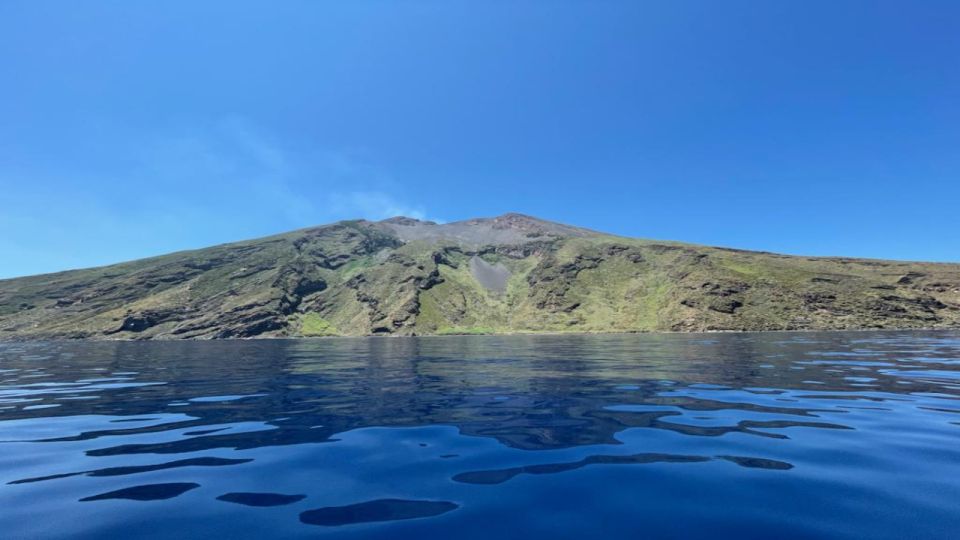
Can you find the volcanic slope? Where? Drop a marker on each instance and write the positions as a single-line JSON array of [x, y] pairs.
[[511, 273]]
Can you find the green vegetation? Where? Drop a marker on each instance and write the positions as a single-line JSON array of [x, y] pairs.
[[461, 330], [312, 324]]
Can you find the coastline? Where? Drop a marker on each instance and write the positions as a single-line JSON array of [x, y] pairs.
[[496, 334]]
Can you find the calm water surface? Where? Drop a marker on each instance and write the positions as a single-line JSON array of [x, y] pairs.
[[833, 435]]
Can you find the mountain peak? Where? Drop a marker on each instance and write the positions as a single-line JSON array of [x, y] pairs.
[[517, 216], [510, 228], [407, 221], [515, 220]]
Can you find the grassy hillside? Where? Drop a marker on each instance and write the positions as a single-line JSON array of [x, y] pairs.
[[507, 274]]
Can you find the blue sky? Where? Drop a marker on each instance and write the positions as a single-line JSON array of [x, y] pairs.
[[129, 129]]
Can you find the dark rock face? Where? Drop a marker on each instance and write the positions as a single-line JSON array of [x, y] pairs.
[[137, 323], [909, 278], [391, 296], [725, 305], [632, 254], [721, 297], [551, 281]]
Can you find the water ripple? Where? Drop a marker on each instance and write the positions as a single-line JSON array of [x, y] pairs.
[[827, 435]]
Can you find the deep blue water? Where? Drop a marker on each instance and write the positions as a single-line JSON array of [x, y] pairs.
[[780, 435]]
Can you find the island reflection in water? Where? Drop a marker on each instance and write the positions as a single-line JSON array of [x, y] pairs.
[[840, 435]]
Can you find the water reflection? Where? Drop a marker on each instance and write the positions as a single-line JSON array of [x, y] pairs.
[[261, 499], [379, 510], [389, 429], [121, 471], [151, 492], [502, 475]]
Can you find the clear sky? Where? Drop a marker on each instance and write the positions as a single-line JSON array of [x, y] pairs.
[[130, 129]]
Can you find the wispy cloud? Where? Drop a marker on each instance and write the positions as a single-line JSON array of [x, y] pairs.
[[233, 166], [374, 205], [218, 181]]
